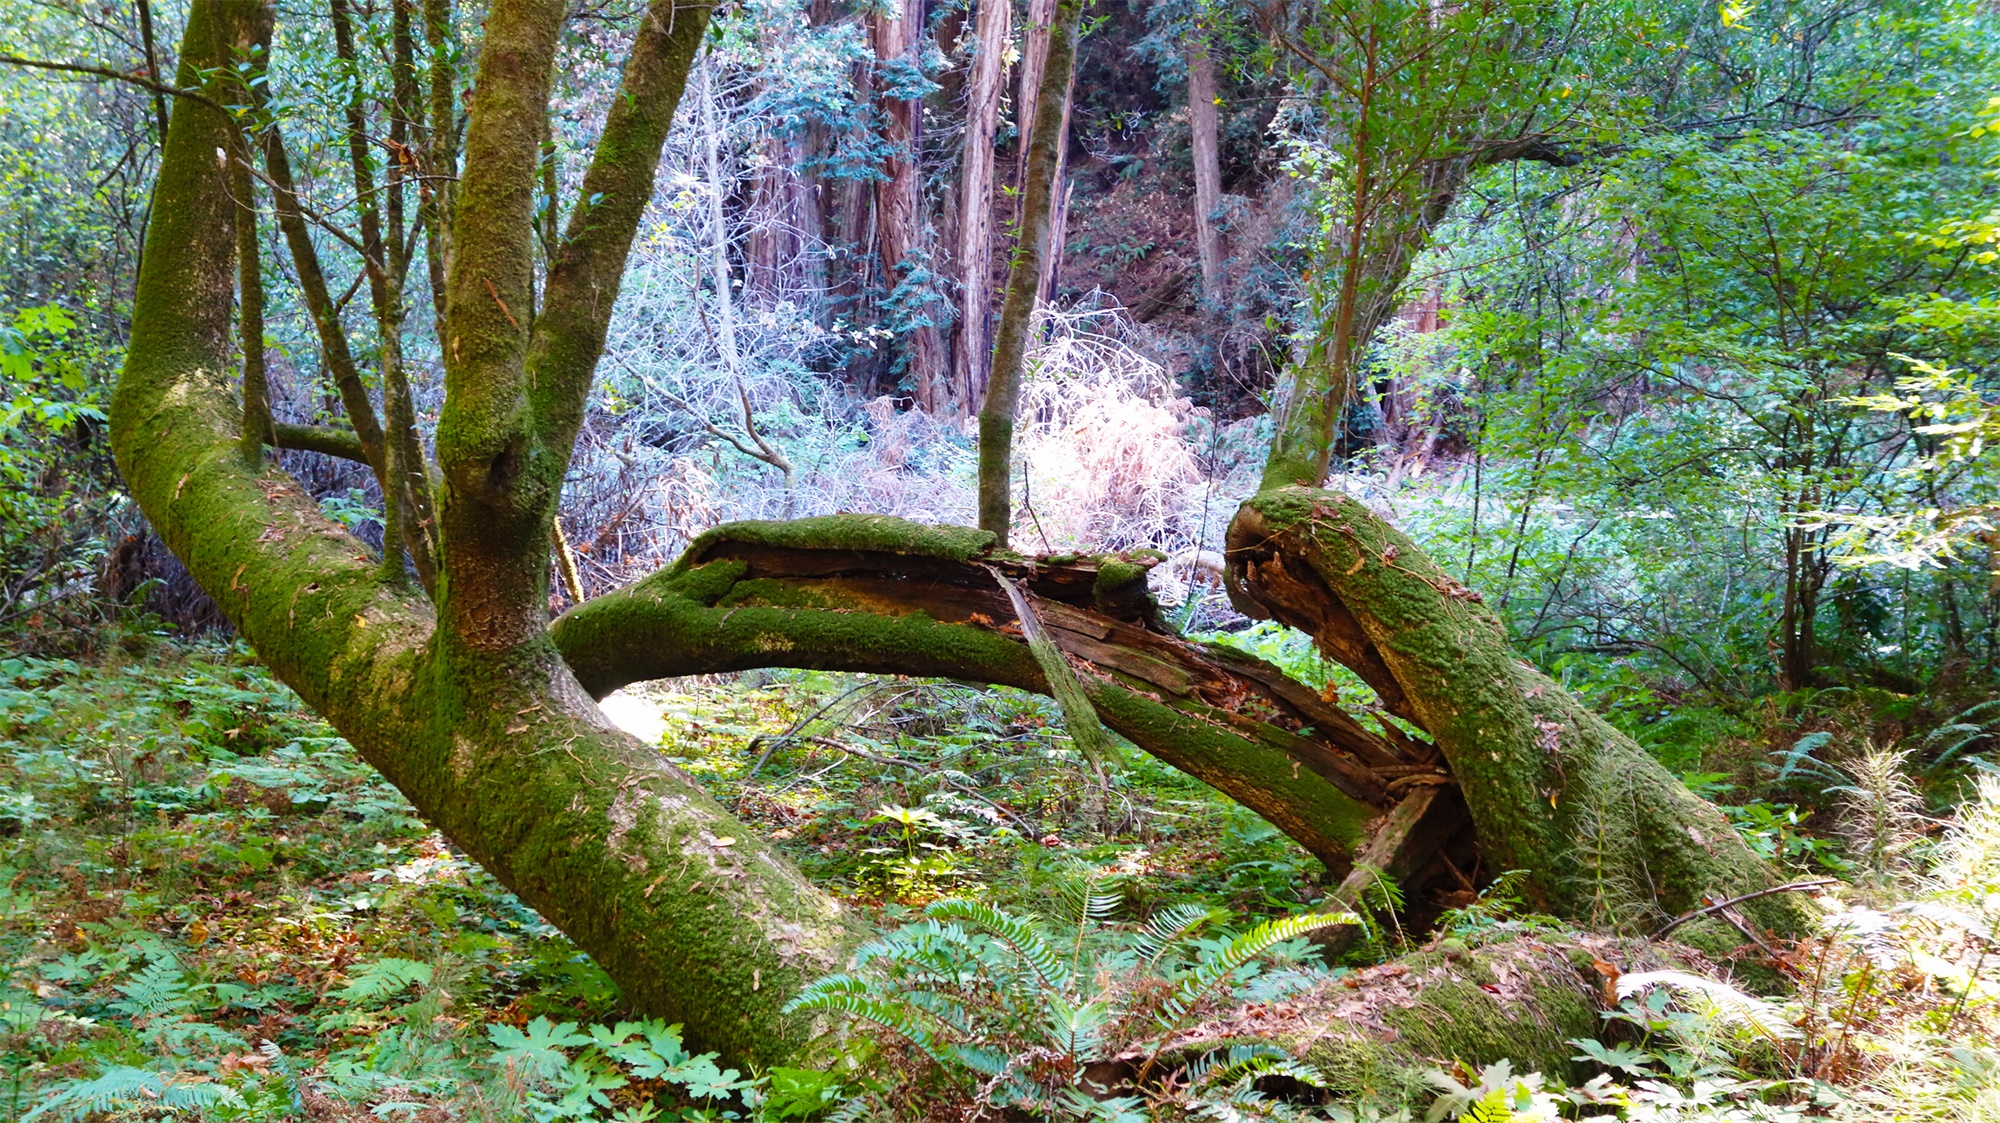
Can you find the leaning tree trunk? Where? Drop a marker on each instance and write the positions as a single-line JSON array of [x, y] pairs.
[[469, 710]]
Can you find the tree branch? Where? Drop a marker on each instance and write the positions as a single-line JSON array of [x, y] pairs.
[[341, 444], [117, 76], [589, 263]]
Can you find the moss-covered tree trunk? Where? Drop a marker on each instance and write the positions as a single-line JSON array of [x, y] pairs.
[[1603, 830], [1032, 246], [467, 707]]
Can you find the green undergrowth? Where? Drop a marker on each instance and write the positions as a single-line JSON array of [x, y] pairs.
[[894, 792], [211, 909], [210, 906]]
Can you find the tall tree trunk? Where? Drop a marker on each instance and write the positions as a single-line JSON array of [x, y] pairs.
[[1204, 123], [1035, 45], [974, 351], [899, 206], [1025, 271], [770, 242]]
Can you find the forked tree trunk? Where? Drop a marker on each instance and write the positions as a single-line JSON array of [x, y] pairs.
[[468, 709]]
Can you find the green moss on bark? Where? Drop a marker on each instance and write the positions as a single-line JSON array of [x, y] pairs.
[[880, 534], [1607, 833], [701, 617]]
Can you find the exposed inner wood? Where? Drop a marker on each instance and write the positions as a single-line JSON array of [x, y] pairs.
[[1423, 839]]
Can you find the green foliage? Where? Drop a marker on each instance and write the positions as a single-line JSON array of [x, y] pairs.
[[121, 1089], [56, 486], [1010, 1013]]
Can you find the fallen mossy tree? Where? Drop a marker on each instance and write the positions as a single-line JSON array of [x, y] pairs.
[[477, 709]]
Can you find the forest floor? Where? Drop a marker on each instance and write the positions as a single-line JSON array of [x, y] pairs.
[[209, 907]]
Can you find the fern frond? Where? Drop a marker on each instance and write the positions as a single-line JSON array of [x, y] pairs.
[[1169, 927], [157, 989], [1214, 1067], [1014, 931], [124, 1087], [1729, 1003], [1799, 761], [857, 1002], [1219, 965]]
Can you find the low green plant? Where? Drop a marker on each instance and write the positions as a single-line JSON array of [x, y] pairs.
[[1010, 1013]]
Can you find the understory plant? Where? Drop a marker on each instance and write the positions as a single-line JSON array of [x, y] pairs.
[[996, 1010], [1893, 1016]]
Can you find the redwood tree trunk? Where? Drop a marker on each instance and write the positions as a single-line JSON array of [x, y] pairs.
[[1202, 120], [974, 352], [898, 28]]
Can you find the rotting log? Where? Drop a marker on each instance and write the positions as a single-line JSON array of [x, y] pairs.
[[1377, 1034], [878, 594]]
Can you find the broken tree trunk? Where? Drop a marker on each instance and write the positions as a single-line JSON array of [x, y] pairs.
[[873, 593], [1606, 833], [1521, 776]]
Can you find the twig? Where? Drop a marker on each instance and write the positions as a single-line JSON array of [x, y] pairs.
[[116, 76], [1794, 887], [799, 727]]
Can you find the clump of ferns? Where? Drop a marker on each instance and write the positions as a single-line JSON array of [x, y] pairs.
[[1881, 815], [1014, 1017], [1878, 810]]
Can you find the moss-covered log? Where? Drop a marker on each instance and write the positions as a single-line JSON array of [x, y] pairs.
[[1380, 1033], [1606, 833], [872, 593]]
